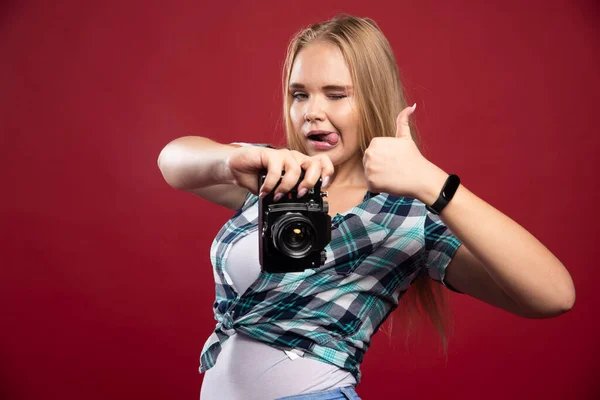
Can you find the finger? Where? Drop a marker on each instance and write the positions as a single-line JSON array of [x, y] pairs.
[[274, 168], [365, 159], [312, 173], [299, 156], [290, 179], [327, 171], [402, 126]]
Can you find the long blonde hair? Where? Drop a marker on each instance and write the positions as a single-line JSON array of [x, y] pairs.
[[380, 98]]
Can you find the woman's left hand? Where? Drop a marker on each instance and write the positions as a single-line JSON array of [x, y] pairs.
[[395, 165]]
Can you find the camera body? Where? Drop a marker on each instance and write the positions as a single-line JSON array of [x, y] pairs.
[[293, 232]]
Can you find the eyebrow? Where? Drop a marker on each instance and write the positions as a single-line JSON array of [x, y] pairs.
[[341, 88]]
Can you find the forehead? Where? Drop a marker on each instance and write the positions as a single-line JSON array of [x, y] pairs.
[[320, 64]]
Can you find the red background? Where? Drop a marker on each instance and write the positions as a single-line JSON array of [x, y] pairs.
[[105, 282]]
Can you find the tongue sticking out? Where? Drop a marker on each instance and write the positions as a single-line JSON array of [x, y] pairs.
[[329, 138]]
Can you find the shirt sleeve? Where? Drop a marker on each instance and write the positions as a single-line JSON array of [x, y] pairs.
[[243, 144], [440, 247]]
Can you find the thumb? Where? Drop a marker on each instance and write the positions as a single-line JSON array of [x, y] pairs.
[[402, 127]]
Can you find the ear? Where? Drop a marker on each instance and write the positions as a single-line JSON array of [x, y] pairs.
[[402, 127]]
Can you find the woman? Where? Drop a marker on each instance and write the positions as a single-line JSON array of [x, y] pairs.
[[286, 335]]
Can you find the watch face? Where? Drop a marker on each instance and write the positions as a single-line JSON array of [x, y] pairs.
[[451, 186]]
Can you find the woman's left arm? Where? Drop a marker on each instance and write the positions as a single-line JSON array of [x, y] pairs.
[[499, 262]]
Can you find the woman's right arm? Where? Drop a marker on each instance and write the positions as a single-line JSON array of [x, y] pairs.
[[224, 174], [200, 166]]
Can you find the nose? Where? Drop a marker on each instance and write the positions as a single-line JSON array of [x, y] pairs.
[[314, 110]]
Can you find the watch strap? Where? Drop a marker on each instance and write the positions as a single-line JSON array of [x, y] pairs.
[[447, 193]]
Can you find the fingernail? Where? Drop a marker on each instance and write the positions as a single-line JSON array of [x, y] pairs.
[[278, 197], [262, 195], [302, 192], [413, 108], [325, 181]]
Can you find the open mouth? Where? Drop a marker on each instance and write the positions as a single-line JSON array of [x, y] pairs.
[[323, 139]]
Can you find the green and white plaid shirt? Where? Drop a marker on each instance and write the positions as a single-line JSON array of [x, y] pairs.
[[330, 313]]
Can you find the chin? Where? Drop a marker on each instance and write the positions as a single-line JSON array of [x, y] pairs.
[[336, 154], [335, 157]]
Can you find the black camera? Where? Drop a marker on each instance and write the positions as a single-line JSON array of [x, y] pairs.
[[293, 232]]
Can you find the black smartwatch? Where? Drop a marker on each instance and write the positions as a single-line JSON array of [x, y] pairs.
[[446, 194]]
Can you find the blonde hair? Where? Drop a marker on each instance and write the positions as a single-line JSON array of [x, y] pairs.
[[380, 98]]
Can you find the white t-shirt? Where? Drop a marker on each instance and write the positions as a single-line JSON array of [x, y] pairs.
[[247, 369]]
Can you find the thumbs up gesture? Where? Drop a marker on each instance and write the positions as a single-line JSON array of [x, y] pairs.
[[395, 165]]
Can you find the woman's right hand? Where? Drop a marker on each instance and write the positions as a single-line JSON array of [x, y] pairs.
[[245, 163]]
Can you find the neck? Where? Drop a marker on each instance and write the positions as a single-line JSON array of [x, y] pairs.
[[349, 173]]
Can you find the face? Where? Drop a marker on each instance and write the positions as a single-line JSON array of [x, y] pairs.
[[323, 109]]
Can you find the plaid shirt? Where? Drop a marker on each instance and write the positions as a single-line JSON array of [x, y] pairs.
[[330, 313]]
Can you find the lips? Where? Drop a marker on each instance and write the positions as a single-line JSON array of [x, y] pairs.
[[321, 139]]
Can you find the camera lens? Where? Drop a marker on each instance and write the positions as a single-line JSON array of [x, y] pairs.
[[294, 235]]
